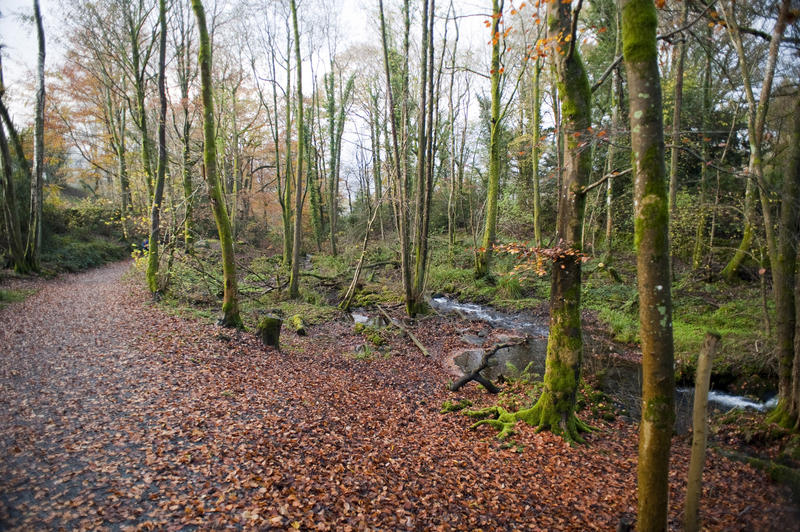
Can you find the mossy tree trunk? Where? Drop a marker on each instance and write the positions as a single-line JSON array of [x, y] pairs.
[[158, 190], [312, 181], [555, 408], [697, 253], [139, 58], [185, 74], [294, 278], [651, 238], [336, 118], [286, 197], [616, 104], [784, 270], [230, 301], [484, 255], [10, 212]]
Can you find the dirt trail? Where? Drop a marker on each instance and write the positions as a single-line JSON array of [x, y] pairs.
[[115, 415]]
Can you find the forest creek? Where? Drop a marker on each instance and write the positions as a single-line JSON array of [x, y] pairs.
[[400, 265]]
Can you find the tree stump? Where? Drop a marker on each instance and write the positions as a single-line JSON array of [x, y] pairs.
[[269, 330], [296, 322]]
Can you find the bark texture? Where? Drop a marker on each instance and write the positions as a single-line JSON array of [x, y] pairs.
[[651, 238]]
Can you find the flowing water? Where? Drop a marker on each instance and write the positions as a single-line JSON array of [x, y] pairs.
[[618, 377]]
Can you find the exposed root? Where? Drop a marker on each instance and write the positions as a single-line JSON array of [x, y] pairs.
[[543, 415]]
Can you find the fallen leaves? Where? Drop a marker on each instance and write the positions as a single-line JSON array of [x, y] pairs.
[[165, 424]]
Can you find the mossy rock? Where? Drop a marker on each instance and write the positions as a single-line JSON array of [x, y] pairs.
[[269, 330]]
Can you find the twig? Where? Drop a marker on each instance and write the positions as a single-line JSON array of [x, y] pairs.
[[405, 330]]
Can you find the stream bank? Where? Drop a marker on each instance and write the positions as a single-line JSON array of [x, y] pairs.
[[617, 377]]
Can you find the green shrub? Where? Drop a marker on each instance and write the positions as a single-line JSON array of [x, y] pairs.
[[68, 253]]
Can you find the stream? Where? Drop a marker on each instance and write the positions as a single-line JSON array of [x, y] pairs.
[[619, 378]]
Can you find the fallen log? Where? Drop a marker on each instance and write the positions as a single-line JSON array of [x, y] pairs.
[[405, 330], [476, 376]]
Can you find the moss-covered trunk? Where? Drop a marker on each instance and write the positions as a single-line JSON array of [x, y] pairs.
[[484, 255], [784, 271], [400, 156], [697, 253], [294, 278], [651, 237], [286, 198], [230, 301], [555, 408], [158, 191]]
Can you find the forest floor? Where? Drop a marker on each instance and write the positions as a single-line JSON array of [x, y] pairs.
[[117, 415]]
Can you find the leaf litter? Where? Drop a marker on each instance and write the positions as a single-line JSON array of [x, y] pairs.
[[115, 415]]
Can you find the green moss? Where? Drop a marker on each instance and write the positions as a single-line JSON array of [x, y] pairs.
[[450, 406], [639, 23]]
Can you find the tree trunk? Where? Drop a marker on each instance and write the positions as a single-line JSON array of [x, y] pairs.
[[651, 238], [230, 301], [34, 245], [139, 80], [158, 193], [286, 203], [697, 254], [294, 279], [694, 486], [535, 151], [756, 120], [555, 408], [10, 213], [400, 156], [424, 159], [616, 103], [784, 270], [484, 255], [676, 113]]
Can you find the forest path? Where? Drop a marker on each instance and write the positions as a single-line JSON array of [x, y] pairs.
[[115, 415]]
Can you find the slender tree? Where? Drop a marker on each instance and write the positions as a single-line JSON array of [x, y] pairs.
[[483, 257], [230, 301], [34, 246], [158, 190], [651, 238], [294, 279], [756, 122]]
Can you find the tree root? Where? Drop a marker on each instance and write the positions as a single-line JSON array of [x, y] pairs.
[[543, 415]]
